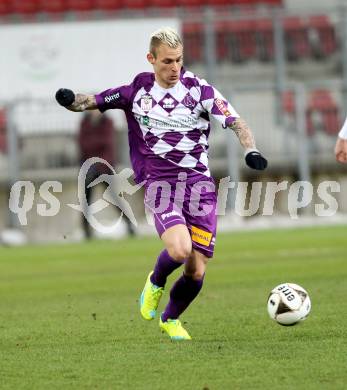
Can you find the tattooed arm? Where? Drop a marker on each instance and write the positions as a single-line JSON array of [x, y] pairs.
[[244, 134], [77, 103], [82, 103], [252, 156]]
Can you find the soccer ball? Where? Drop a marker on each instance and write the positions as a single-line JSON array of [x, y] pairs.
[[288, 304]]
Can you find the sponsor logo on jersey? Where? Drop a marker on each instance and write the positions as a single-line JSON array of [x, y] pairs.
[[146, 102], [110, 98], [170, 214], [145, 120], [168, 103], [201, 236], [188, 122], [222, 107]]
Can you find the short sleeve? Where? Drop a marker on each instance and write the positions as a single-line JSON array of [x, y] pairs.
[[216, 105]]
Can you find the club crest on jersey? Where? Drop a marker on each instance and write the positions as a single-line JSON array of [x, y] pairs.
[[222, 107], [146, 102], [188, 101]]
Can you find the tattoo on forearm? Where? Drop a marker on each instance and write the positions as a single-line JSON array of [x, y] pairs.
[[243, 132], [83, 102]]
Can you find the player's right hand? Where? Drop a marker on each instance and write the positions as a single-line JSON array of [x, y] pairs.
[[65, 97]]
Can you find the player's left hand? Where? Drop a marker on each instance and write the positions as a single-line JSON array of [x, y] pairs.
[[255, 160]]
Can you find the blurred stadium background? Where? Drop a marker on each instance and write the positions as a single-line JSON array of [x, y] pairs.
[[282, 64]]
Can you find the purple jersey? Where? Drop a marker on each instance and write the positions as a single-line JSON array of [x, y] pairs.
[[168, 128]]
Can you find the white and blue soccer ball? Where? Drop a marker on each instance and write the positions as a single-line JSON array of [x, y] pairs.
[[288, 304]]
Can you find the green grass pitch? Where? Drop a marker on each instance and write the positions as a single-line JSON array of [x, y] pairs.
[[69, 316]]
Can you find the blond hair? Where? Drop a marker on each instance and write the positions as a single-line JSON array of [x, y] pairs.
[[165, 35]]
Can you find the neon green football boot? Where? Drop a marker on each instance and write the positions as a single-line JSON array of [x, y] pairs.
[[174, 329], [150, 299]]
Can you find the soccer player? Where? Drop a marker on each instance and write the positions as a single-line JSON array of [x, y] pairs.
[[168, 118], [341, 144]]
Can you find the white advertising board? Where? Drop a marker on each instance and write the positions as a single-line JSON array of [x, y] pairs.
[[37, 59]]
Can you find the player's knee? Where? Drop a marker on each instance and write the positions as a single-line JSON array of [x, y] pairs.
[[180, 252]]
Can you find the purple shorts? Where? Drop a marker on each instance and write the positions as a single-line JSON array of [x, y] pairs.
[[191, 203]]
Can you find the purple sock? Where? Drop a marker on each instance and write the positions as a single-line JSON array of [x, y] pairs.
[[182, 294], [163, 268]]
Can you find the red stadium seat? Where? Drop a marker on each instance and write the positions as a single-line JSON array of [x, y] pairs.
[[193, 42], [5, 8], [108, 5], [190, 3], [322, 113], [322, 36], [53, 6], [135, 4], [241, 41], [249, 3], [296, 38], [219, 2], [24, 7], [223, 48], [264, 39], [288, 103], [163, 3], [80, 5], [289, 111], [226, 46]]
